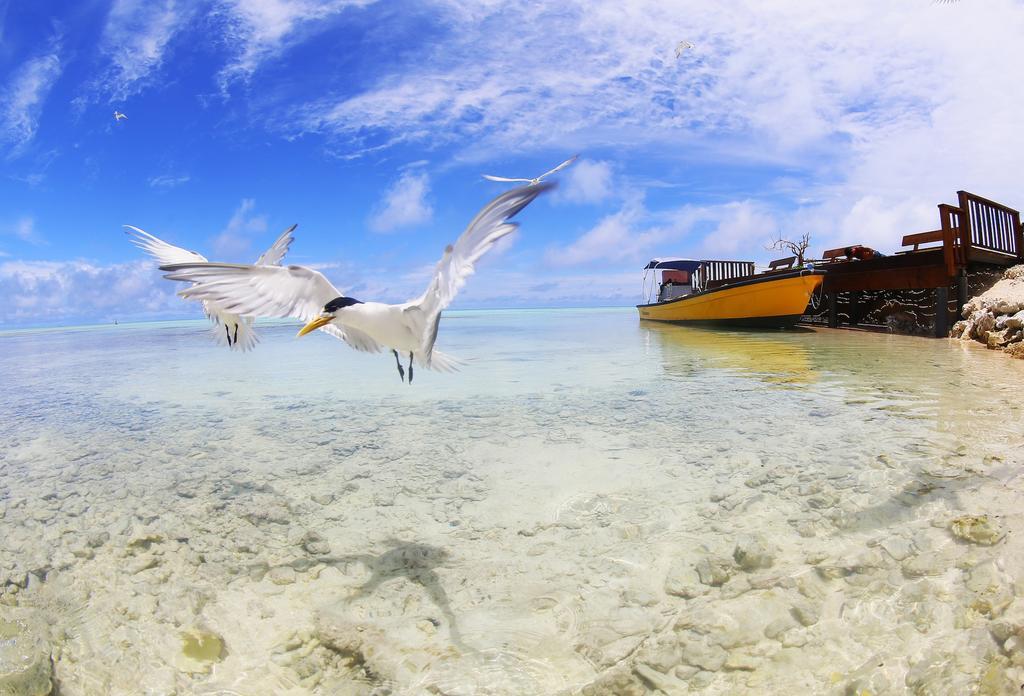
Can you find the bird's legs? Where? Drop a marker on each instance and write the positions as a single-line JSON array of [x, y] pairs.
[[236, 333], [401, 370], [410, 367], [227, 332]]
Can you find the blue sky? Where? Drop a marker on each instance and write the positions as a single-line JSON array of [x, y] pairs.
[[370, 123]]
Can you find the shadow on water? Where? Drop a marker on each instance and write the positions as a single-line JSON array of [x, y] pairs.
[[764, 356], [410, 560], [902, 505]]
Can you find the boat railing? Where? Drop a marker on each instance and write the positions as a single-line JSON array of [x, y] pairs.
[[713, 271]]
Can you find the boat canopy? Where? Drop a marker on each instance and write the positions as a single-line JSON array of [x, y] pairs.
[[674, 265]]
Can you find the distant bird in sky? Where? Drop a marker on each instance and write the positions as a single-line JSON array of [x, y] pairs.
[[303, 293], [534, 182], [682, 47], [238, 333], [118, 116]]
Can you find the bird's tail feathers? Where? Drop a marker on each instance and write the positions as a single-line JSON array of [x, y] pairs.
[[441, 362], [235, 332]]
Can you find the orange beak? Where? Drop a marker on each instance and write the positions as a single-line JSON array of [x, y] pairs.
[[315, 324]]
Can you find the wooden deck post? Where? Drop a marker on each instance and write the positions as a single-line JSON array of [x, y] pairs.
[[854, 307], [941, 312], [833, 315], [961, 293], [966, 228], [1020, 240]]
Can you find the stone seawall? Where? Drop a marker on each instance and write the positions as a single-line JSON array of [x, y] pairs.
[[996, 316]]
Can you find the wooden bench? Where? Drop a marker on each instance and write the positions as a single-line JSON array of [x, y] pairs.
[[782, 263], [921, 238], [836, 254]]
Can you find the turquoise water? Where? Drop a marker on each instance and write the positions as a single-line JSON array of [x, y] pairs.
[[591, 505]]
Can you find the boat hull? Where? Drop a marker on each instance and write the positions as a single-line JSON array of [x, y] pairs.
[[760, 302]]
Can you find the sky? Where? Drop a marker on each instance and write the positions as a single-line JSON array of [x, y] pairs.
[[369, 123]]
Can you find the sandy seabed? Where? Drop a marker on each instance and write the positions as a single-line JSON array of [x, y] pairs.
[[676, 512]]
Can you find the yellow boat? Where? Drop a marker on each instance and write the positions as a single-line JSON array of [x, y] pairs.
[[727, 293]]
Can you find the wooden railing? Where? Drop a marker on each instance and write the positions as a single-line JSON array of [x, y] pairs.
[[986, 226], [992, 227], [953, 252], [713, 271]]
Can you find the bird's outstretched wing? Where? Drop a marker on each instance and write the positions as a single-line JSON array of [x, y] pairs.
[[160, 250], [459, 260], [267, 291], [490, 177], [560, 167], [353, 337], [277, 250], [256, 291]]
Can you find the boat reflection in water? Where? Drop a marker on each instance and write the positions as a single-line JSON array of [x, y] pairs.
[[779, 360]]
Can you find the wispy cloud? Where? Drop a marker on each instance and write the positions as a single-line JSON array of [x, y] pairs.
[[23, 99], [635, 234], [404, 204], [263, 29], [135, 42], [236, 237], [587, 181], [168, 181], [24, 228], [854, 96], [38, 292]]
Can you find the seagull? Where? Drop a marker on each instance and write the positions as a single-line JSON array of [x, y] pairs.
[[682, 47], [534, 182], [304, 293], [118, 116], [239, 333]]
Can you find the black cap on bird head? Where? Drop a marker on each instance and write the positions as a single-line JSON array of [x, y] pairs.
[[327, 315], [339, 302]]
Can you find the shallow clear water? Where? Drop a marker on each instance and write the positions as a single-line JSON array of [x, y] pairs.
[[591, 505]]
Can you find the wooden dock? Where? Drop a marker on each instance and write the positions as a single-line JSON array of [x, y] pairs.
[[974, 238]]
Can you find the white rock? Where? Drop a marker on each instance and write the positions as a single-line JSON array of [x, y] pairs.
[[713, 571], [709, 657], [682, 580], [752, 553], [282, 575], [978, 529], [25, 667]]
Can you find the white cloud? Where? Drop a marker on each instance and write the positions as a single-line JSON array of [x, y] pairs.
[[236, 238], [135, 41], [587, 181], [38, 292], [404, 204], [899, 102], [168, 181], [24, 228], [23, 99], [262, 29], [621, 236], [635, 234]]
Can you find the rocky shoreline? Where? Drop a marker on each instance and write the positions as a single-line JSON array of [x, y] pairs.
[[996, 317]]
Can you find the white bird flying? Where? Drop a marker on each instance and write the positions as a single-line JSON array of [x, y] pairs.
[[238, 333], [534, 182], [118, 116], [303, 293], [682, 47]]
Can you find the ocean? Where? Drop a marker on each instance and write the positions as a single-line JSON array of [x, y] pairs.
[[592, 505]]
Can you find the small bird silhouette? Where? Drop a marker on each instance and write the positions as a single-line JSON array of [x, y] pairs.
[[682, 47], [118, 116], [533, 182]]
